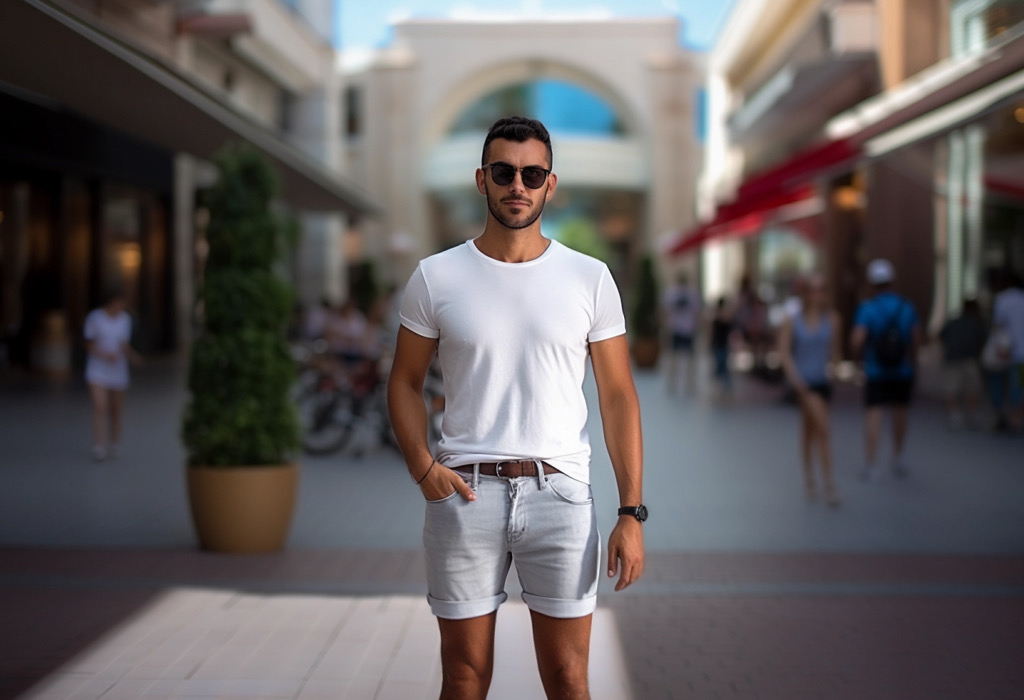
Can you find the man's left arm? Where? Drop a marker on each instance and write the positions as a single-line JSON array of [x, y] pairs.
[[620, 419]]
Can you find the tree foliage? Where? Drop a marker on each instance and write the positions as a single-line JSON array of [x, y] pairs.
[[240, 370]]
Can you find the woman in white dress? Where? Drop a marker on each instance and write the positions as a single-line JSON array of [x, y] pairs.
[[108, 331]]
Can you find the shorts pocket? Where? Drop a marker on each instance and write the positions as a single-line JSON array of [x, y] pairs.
[[570, 490], [466, 478], [447, 498]]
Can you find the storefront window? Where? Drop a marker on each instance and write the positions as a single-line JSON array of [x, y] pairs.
[[122, 222], [977, 24], [984, 203], [784, 256]]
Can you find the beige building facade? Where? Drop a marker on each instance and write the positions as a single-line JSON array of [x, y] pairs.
[[617, 95]]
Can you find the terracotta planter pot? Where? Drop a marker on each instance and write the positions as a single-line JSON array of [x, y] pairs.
[[645, 352], [244, 510]]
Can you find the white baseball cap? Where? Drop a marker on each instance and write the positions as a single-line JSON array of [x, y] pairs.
[[880, 271]]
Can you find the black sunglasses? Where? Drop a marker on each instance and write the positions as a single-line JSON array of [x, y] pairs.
[[503, 174]]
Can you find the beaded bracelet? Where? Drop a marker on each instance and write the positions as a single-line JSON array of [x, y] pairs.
[[432, 463]]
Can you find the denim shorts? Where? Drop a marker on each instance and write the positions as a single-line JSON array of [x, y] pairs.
[[547, 523]]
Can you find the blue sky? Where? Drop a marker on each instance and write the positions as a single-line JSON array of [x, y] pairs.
[[364, 23]]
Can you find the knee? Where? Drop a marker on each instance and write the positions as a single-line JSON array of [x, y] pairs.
[[465, 679], [568, 682]]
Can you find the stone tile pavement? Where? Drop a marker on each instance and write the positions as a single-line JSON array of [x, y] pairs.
[[913, 589], [351, 624]]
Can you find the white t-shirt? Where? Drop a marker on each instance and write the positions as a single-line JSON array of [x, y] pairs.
[[513, 345], [1009, 313], [109, 333]]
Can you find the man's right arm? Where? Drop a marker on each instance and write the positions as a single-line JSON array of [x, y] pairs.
[[408, 413]]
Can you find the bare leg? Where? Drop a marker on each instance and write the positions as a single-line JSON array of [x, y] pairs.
[[820, 424], [899, 436], [872, 430], [563, 655], [899, 429], [806, 435], [116, 404], [467, 657], [98, 395]]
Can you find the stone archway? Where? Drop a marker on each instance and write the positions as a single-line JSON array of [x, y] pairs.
[[487, 80]]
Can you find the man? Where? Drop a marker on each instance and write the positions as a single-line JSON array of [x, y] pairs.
[[682, 315], [513, 317], [1008, 315], [887, 332], [963, 339]]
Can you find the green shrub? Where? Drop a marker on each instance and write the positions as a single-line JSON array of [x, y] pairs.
[[240, 369]]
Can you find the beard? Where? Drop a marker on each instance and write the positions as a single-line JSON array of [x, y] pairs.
[[516, 221]]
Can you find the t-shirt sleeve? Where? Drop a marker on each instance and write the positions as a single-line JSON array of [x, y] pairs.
[[91, 331], [415, 312], [608, 319], [999, 315], [861, 317]]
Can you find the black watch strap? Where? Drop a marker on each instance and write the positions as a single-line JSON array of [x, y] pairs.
[[639, 512]]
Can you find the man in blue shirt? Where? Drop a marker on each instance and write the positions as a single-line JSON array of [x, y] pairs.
[[887, 331]]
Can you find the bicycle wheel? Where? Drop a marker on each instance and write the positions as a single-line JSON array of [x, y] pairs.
[[327, 418]]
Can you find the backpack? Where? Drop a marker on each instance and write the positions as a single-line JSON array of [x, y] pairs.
[[891, 343]]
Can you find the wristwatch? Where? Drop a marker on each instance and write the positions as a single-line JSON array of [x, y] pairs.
[[639, 512]]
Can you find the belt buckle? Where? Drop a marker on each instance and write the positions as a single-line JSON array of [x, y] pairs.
[[497, 469]]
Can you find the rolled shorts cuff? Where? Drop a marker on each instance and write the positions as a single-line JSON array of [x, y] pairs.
[[465, 609], [560, 607]]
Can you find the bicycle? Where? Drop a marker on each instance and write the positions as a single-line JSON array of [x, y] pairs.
[[337, 402]]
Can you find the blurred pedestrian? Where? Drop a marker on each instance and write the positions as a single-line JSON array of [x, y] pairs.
[[995, 365], [963, 338], [886, 333], [346, 332], [809, 349], [1008, 315], [722, 327], [681, 310], [108, 332], [315, 322]]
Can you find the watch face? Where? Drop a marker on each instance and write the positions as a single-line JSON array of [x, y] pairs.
[[641, 513]]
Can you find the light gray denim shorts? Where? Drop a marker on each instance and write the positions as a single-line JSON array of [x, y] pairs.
[[547, 523]]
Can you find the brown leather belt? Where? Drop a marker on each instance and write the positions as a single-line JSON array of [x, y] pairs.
[[508, 470]]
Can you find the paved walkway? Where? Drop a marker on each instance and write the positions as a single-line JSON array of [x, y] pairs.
[[914, 588]]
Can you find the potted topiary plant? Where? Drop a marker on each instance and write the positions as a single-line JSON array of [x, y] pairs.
[[240, 430], [646, 322]]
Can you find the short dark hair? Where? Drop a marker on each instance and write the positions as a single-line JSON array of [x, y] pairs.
[[520, 129]]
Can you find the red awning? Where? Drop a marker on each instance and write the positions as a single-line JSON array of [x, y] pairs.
[[746, 218], [762, 195]]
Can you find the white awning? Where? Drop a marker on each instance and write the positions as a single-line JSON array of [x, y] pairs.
[[947, 117]]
